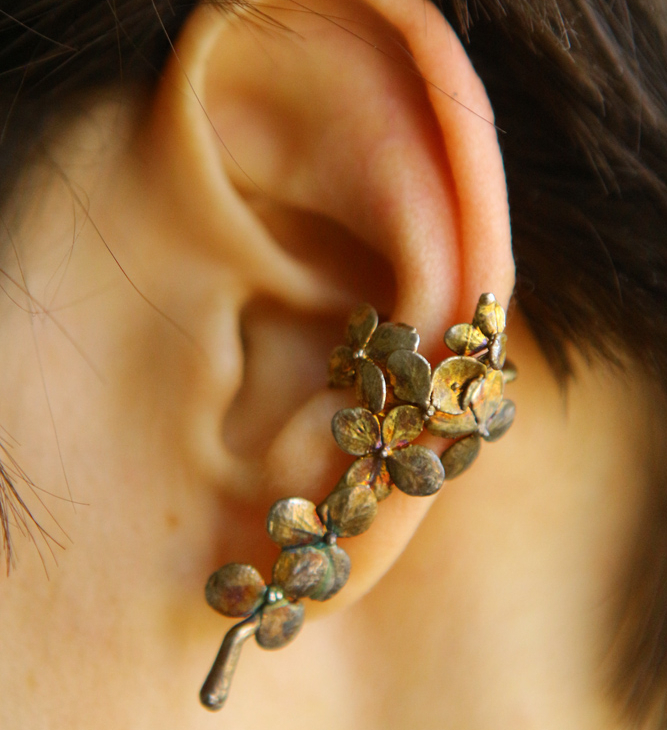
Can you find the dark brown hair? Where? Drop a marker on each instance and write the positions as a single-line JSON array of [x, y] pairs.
[[580, 93]]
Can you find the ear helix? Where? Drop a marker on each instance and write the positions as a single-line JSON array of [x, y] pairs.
[[399, 396]]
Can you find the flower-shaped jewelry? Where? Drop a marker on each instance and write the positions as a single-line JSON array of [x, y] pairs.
[[361, 359], [439, 395], [487, 332], [490, 415], [463, 399], [238, 591], [387, 456], [311, 564]]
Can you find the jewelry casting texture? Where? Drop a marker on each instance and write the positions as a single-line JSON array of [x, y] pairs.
[[399, 396]]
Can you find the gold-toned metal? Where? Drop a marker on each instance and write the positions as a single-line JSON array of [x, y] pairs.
[[350, 511], [460, 455], [389, 337], [464, 339], [215, 689], [300, 571], [450, 380], [501, 420], [367, 342], [416, 470], [371, 387], [235, 590], [294, 522], [281, 622], [401, 426], [399, 394], [410, 375], [368, 472], [341, 368], [485, 333], [498, 351], [489, 316], [361, 325], [357, 431], [487, 398], [338, 571], [471, 390], [448, 426], [312, 572]]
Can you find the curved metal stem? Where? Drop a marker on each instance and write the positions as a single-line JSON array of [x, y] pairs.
[[215, 689]]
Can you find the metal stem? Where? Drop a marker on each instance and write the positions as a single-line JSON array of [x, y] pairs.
[[216, 687]]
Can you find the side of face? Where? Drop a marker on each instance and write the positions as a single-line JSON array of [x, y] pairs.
[[177, 272]]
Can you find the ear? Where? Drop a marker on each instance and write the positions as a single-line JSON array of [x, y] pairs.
[[323, 154]]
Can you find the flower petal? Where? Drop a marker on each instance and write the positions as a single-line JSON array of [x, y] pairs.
[[500, 422], [498, 351], [299, 571], [416, 470], [459, 456], [410, 376], [401, 426], [464, 339], [448, 426], [356, 430], [235, 590], [371, 387], [336, 575], [389, 337], [294, 521], [471, 391], [488, 398], [349, 512], [361, 326], [450, 379], [369, 471], [341, 368], [281, 622], [489, 315]]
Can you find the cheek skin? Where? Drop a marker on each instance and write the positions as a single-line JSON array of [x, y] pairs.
[[106, 401]]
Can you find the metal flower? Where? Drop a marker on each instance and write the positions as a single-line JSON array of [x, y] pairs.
[[487, 411], [440, 395], [487, 332], [361, 360], [238, 591], [463, 398], [311, 563], [387, 456]]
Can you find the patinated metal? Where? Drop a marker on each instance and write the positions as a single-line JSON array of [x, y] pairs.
[[399, 395], [461, 454], [349, 511], [235, 590], [294, 521]]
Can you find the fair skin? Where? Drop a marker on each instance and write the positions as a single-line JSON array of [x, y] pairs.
[[165, 436]]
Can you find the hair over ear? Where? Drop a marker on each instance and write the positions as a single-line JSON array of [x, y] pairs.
[[322, 153]]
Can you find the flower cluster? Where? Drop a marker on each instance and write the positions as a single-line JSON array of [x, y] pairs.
[[399, 396], [461, 398]]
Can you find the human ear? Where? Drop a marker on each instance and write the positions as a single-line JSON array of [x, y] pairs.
[[320, 154]]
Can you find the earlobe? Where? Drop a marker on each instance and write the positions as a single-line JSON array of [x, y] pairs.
[[324, 154]]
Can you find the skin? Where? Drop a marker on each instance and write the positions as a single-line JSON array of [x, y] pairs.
[[140, 248]]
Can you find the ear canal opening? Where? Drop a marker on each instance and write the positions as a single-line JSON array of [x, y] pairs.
[[285, 354]]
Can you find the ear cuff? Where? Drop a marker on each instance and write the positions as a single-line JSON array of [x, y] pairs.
[[399, 396]]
